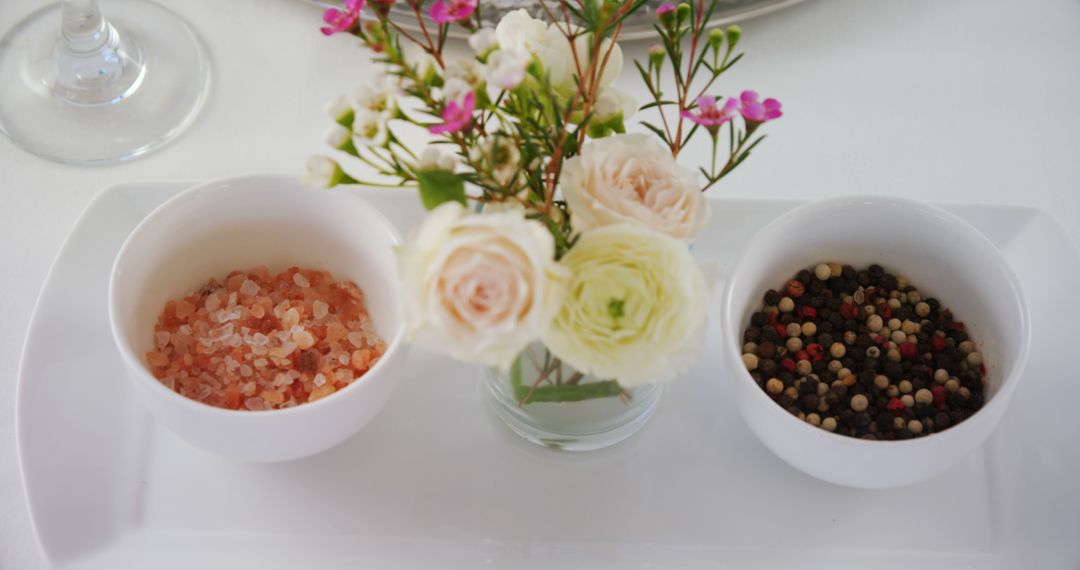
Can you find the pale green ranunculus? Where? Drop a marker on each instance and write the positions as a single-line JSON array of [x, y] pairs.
[[635, 310]]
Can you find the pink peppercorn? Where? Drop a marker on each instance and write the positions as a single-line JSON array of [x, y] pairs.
[[816, 351], [939, 394], [788, 364], [849, 311], [937, 343], [808, 312], [795, 288], [908, 351], [895, 406]]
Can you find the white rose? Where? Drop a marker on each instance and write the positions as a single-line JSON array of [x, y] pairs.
[[558, 59], [633, 179], [636, 307], [480, 287], [521, 32]]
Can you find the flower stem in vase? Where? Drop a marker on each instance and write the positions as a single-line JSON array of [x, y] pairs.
[[572, 390]]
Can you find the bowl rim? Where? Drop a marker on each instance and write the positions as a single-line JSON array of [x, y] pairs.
[[195, 193], [1011, 377]]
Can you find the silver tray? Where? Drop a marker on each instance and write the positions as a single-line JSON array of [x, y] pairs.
[[637, 27]]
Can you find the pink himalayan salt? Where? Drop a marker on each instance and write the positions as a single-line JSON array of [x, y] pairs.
[[257, 341]]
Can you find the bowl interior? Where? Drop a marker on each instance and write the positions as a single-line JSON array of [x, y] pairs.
[[942, 256], [243, 223]]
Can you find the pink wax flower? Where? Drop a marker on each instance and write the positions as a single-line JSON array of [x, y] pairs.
[[342, 20], [456, 116], [665, 8], [445, 12], [755, 111], [709, 115]]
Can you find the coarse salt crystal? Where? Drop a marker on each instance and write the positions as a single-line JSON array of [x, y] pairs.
[[260, 363], [290, 319], [259, 339], [303, 339], [249, 288], [356, 339], [258, 311], [319, 380], [319, 309], [300, 280], [162, 338]]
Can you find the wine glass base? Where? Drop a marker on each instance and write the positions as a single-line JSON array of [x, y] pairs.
[[165, 102]]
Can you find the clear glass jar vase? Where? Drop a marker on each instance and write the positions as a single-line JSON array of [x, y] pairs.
[[550, 403]]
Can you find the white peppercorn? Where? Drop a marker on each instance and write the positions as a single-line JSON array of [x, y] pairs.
[[905, 386], [874, 323], [749, 347], [750, 361], [837, 350], [786, 305], [908, 400], [915, 427], [822, 271], [895, 324], [859, 403], [974, 359], [881, 381], [909, 327], [966, 347], [774, 386], [803, 367], [794, 344], [809, 328], [893, 355], [813, 419], [922, 309], [941, 375], [899, 337], [924, 396], [952, 385], [892, 391], [794, 329], [829, 423]]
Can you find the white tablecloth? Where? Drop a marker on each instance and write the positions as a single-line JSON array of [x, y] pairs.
[[949, 101]]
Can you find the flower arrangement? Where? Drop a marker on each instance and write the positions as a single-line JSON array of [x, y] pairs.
[[548, 221]]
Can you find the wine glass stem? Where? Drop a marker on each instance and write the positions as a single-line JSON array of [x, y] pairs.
[[94, 64]]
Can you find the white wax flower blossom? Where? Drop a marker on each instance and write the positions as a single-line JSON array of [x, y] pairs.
[[613, 103], [455, 89], [339, 137], [339, 109], [500, 155], [467, 70], [506, 68], [632, 178], [483, 40], [372, 128], [636, 307], [420, 60], [324, 172], [434, 158], [480, 287], [378, 96]]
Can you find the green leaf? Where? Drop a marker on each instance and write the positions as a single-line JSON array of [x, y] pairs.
[[438, 186]]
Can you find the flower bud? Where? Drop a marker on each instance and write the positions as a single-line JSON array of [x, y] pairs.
[[340, 111], [733, 34], [716, 39], [325, 172], [340, 138], [666, 14], [682, 13], [656, 56]]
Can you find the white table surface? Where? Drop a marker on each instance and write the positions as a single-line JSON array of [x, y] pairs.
[[948, 101]]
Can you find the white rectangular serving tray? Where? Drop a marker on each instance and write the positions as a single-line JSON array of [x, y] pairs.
[[435, 481]]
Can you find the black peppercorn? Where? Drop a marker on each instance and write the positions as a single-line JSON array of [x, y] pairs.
[[772, 297]]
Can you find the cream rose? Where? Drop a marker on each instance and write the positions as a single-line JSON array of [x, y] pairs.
[[480, 287], [633, 179], [520, 32], [636, 307]]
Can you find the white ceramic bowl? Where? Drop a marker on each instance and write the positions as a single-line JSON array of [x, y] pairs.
[[238, 224], [941, 255]]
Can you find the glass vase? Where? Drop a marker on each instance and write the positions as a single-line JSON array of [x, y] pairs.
[[549, 403]]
